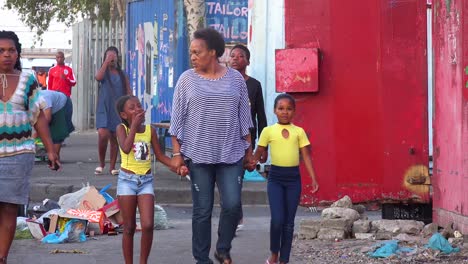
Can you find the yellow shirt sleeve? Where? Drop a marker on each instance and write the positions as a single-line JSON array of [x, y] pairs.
[[303, 140], [264, 140]]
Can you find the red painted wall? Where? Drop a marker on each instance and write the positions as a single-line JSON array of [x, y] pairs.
[[368, 122], [450, 181]]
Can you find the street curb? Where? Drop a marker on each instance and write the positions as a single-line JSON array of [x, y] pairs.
[[41, 191]]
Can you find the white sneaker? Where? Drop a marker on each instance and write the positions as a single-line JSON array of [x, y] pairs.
[[239, 227]]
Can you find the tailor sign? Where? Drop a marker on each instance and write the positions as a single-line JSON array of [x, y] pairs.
[[229, 17]]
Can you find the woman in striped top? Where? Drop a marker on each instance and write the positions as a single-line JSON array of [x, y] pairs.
[[210, 125], [20, 109]]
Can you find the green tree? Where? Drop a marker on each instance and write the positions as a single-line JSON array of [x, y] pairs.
[[38, 14]]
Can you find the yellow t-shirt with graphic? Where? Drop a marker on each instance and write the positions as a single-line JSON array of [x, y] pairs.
[[138, 159], [284, 151]]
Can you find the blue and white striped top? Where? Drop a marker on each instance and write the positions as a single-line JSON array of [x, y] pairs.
[[210, 117]]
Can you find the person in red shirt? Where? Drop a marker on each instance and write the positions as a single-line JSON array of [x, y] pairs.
[[61, 77]]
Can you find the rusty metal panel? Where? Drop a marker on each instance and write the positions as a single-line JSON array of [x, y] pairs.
[[450, 180], [297, 70], [368, 122]]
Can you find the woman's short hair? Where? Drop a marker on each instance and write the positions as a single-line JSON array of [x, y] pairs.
[[213, 39]]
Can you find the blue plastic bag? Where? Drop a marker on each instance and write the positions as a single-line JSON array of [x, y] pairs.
[[438, 242], [253, 176], [389, 248], [74, 231], [106, 196]]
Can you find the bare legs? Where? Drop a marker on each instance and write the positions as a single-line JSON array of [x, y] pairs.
[[113, 151], [128, 204], [146, 208], [105, 136], [8, 213]]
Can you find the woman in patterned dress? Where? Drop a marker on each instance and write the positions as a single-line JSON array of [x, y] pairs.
[[20, 111]]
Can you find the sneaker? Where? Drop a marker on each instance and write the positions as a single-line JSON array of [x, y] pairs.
[[239, 227]]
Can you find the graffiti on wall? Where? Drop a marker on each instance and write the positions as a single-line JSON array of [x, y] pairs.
[[152, 67], [164, 67], [230, 18]]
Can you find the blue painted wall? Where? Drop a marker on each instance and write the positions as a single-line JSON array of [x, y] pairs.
[[156, 53], [157, 46], [230, 17]]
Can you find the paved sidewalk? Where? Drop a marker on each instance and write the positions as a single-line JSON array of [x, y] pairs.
[[80, 158]]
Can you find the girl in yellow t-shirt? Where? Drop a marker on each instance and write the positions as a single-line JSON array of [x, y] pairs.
[[135, 183], [284, 181]]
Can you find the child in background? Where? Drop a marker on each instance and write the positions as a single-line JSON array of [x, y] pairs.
[[113, 83], [135, 183], [286, 142]]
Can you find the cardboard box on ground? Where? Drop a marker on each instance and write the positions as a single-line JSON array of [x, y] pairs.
[[112, 212], [37, 229], [92, 200], [91, 208]]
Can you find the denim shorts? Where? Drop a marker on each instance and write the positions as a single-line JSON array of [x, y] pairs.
[[134, 184]]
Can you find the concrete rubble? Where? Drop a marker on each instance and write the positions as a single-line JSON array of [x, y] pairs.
[[346, 223]]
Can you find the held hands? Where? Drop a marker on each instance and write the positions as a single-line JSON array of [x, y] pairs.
[[178, 166], [183, 171], [250, 163]]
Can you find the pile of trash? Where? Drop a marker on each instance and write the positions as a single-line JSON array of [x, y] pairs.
[[78, 215]]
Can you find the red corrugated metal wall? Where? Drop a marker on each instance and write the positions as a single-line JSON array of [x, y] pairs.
[[368, 121], [450, 179]]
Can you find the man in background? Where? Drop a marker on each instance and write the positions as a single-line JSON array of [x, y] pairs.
[[61, 77]]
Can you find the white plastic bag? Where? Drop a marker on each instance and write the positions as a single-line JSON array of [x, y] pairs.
[[72, 200], [160, 218]]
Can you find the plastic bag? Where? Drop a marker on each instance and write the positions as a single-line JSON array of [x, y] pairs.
[[109, 199], [160, 218], [438, 242], [389, 248], [74, 232], [21, 223], [253, 176], [48, 213], [72, 200]]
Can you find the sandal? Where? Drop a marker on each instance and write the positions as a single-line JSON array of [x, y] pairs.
[[98, 170], [268, 261], [223, 258], [115, 172]]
